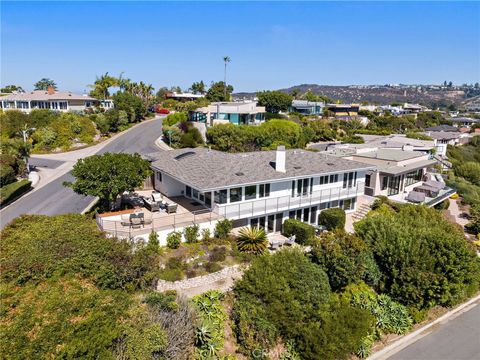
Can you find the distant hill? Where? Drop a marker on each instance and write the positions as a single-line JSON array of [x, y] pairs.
[[432, 96]]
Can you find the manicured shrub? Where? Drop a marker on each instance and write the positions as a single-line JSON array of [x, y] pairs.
[[333, 218], [345, 258], [223, 228], [206, 234], [191, 233], [424, 259], [303, 232], [7, 174], [174, 118], [174, 239], [10, 192], [287, 296]]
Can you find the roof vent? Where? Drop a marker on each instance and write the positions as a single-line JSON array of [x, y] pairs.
[[239, 173], [330, 164], [297, 167]]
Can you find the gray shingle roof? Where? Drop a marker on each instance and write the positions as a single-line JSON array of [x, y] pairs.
[[442, 128], [207, 169], [42, 95]]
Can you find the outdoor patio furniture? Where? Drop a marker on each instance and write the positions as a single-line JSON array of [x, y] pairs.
[[156, 196], [171, 208], [291, 240], [275, 245], [416, 197], [136, 222], [151, 205]]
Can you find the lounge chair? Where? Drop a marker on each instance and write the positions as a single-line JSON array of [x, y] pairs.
[[157, 197], [172, 208], [151, 205]]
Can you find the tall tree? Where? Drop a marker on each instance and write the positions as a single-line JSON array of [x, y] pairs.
[[44, 84], [102, 85], [198, 88], [11, 88], [219, 92], [226, 60], [109, 175]]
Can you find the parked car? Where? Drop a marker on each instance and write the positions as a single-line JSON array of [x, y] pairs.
[[162, 111]]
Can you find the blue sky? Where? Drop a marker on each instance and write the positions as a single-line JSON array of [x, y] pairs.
[[272, 45]]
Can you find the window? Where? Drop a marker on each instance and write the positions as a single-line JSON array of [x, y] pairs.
[[324, 206], [159, 176], [384, 182], [299, 214], [303, 187], [334, 178], [311, 186], [367, 180], [220, 196], [313, 214], [235, 194], [306, 214], [63, 105], [293, 188], [394, 186], [254, 223], [264, 190], [323, 180], [348, 204], [250, 192], [350, 179], [345, 179], [413, 177], [334, 204], [291, 214], [195, 193], [208, 198], [188, 191]]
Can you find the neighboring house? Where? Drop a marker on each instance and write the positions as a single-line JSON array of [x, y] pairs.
[[49, 99], [413, 108], [463, 121], [239, 113], [307, 107], [442, 128], [343, 111], [396, 141], [403, 176], [444, 138], [182, 96], [259, 189]]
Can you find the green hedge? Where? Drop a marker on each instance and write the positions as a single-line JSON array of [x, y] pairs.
[[12, 191], [303, 232], [332, 218]]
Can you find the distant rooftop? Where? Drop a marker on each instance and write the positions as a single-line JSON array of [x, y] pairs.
[[206, 169], [464, 120], [391, 154], [442, 128], [44, 95]]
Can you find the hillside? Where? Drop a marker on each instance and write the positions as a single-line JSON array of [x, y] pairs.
[[432, 96]]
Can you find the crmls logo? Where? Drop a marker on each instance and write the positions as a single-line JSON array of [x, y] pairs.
[[259, 353]]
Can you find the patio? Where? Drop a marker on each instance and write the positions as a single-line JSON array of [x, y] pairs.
[[166, 214]]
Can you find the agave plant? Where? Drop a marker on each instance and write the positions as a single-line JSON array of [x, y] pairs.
[[252, 240]]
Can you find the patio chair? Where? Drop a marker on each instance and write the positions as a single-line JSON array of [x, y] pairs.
[[157, 197], [291, 240], [136, 222], [275, 245], [172, 208]]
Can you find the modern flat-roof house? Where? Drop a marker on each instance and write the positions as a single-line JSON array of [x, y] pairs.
[[444, 138], [343, 111], [47, 99], [403, 176], [463, 121], [260, 189], [306, 107], [239, 113], [182, 96]]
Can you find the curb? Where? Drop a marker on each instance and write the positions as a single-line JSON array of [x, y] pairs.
[[90, 206], [162, 145], [411, 338]]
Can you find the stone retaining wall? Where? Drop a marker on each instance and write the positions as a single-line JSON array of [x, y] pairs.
[[206, 281]]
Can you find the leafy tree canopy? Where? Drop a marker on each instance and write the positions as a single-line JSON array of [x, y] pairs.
[[11, 88], [44, 84], [274, 101], [217, 92], [109, 175], [424, 259]]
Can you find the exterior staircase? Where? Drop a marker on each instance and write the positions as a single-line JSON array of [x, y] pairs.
[[362, 210]]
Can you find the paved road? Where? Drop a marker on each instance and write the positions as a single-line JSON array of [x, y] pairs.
[[458, 339], [54, 198]]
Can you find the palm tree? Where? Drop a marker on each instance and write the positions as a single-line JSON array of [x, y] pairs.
[[252, 240], [226, 60]]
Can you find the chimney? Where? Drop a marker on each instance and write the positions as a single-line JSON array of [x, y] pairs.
[[51, 90], [280, 159]]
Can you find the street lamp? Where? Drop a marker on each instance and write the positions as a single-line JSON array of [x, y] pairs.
[[25, 132]]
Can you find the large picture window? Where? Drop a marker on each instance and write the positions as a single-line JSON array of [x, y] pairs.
[[220, 196], [250, 192], [413, 177], [235, 194]]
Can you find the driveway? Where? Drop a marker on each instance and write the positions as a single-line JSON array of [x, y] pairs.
[[52, 198]]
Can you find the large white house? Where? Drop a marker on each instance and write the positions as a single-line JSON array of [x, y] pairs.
[[239, 113], [50, 99], [252, 189]]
